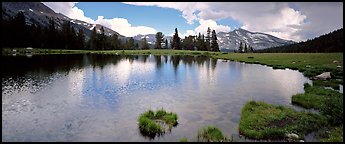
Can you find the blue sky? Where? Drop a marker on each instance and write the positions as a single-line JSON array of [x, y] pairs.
[[291, 21], [162, 19]]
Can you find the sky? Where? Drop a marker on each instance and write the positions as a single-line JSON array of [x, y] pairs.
[[297, 21]]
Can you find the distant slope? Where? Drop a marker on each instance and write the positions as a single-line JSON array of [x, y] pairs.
[[331, 42], [231, 40]]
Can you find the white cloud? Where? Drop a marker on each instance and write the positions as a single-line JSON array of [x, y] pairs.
[[322, 18], [188, 33], [120, 25], [69, 9], [204, 24], [188, 9], [202, 28], [123, 27], [276, 18]]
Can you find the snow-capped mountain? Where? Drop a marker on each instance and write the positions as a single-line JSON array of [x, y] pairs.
[[151, 38], [231, 40], [40, 14]]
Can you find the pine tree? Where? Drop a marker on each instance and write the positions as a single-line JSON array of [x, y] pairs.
[[144, 44], [208, 39], [159, 40], [93, 39], [19, 30], [203, 43], [240, 48], [130, 43], [136, 46], [166, 44], [171, 43], [115, 42], [198, 42], [188, 43], [176, 41], [52, 35], [101, 39], [251, 49], [81, 39], [73, 42], [66, 34], [214, 43]]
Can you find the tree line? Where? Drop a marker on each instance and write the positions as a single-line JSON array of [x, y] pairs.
[[199, 42], [331, 42], [17, 33], [244, 49]]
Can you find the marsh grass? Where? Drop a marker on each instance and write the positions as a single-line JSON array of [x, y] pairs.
[[329, 102], [156, 123], [260, 120], [211, 134], [333, 134], [333, 83]]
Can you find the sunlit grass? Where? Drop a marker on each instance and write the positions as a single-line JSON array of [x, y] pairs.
[[260, 120]]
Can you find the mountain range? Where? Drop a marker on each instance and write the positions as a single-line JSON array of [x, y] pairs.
[[38, 13]]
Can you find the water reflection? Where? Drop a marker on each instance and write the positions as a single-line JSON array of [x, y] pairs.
[[99, 97]]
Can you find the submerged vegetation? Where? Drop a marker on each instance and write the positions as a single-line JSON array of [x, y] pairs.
[[211, 134], [156, 123], [183, 140]]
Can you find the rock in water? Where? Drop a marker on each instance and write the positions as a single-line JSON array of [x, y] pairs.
[[323, 76]]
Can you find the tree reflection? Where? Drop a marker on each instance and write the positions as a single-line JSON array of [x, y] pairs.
[[158, 59], [213, 63], [175, 61]]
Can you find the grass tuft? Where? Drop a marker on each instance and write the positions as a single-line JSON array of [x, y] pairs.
[[211, 134], [156, 123]]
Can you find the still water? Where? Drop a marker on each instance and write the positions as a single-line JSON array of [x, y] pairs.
[[99, 97]]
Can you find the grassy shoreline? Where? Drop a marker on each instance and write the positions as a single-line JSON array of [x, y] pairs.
[[310, 64]]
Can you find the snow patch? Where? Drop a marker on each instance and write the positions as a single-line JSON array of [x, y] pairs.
[[260, 35], [41, 12], [145, 37], [31, 10], [92, 27], [84, 24], [79, 23]]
